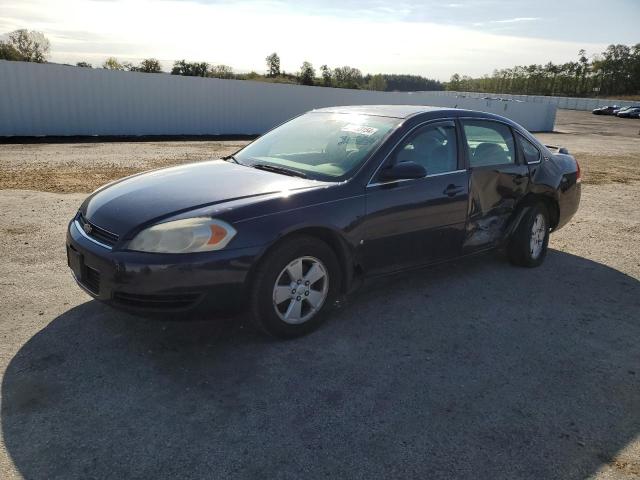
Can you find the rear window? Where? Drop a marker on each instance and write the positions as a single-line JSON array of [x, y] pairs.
[[530, 151], [489, 143]]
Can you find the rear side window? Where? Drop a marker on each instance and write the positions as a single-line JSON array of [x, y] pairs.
[[433, 147], [489, 143], [531, 152]]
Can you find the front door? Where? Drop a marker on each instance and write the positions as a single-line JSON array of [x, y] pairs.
[[418, 221]]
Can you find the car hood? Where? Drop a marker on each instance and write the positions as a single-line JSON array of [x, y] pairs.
[[149, 197]]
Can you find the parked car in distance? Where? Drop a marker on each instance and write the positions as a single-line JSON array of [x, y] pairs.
[[623, 109], [607, 110], [295, 219], [630, 112]]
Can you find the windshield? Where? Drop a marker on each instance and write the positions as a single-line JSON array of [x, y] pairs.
[[321, 145]]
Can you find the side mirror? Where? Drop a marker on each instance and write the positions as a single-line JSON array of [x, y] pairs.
[[403, 171]]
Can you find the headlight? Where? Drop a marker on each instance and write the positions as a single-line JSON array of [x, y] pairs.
[[200, 234]]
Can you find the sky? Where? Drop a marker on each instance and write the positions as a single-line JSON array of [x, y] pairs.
[[428, 37]]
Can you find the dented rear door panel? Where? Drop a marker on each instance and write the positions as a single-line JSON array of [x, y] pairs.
[[494, 193]]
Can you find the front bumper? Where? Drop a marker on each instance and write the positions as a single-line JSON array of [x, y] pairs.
[[150, 282]]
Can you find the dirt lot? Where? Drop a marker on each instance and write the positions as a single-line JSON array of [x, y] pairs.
[[608, 147], [83, 167], [474, 369]]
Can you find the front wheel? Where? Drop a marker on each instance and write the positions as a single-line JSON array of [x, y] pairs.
[[528, 245], [293, 286]]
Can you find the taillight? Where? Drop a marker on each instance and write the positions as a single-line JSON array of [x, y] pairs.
[[578, 176]]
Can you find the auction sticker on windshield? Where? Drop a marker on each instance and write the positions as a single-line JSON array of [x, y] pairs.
[[361, 129]]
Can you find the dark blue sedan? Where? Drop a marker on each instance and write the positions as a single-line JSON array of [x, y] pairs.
[[294, 219]]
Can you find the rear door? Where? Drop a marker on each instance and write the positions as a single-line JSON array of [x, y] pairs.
[[498, 180], [418, 221]]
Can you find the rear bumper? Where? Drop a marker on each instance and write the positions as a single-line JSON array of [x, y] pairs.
[[161, 283], [568, 203]]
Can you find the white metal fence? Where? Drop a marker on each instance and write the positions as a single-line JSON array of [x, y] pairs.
[[45, 100], [568, 103]]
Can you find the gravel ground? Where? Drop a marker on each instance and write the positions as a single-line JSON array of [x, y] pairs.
[[83, 167], [474, 369], [608, 147]]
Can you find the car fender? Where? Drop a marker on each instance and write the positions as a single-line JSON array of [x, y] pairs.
[[343, 249]]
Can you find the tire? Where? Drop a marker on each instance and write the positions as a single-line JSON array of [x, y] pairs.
[[274, 307], [521, 249]]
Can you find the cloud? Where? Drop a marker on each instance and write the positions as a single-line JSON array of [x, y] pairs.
[[517, 20], [242, 34], [507, 21]]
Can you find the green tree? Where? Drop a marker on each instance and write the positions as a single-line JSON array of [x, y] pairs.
[[454, 82], [634, 69], [347, 77], [9, 52], [552, 70], [273, 65], [307, 74], [617, 61], [221, 71], [377, 82], [31, 45], [584, 70], [112, 63], [149, 65], [190, 69], [84, 65], [327, 76], [410, 83], [616, 71]]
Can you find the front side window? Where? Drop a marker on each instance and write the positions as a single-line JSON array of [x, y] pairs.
[[530, 151], [489, 143], [433, 147], [322, 145]]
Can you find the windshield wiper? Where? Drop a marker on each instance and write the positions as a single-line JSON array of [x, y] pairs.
[[282, 170], [233, 159]]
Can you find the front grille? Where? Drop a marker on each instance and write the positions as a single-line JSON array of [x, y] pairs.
[[99, 234], [91, 279], [157, 302]]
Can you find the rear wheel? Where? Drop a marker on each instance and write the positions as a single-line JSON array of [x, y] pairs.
[[293, 286], [528, 245]]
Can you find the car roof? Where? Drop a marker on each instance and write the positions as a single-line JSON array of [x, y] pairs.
[[394, 111], [423, 111], [407, 111]]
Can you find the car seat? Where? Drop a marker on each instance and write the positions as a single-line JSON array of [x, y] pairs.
[[489, 154]]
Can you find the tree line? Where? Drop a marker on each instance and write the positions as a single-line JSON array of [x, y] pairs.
[[349, 77], [32, 46], [616, 71], [339, 77]]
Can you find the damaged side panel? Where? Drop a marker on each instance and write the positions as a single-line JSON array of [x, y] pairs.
[[495, 193]]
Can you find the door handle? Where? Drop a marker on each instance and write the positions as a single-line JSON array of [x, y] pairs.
[[452, 190]]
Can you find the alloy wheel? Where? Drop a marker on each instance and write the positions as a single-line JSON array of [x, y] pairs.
[[300, 290]]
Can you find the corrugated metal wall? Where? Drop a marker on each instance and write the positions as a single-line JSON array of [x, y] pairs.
[[42, 99], [568, 103]]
